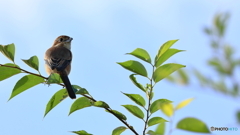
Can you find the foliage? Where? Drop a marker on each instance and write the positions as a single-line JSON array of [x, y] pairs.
[[143, 108], [224, 63]]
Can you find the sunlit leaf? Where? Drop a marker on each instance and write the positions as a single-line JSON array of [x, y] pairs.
[[184, 103], [118, 130], [166, 55], [58, 97], [160, 129], [156, 120], [80, 103], [135, 111], [8, 51], [193, 124], [134, 66], [138, 99], [118, 114], [165, 70], [81, 132], [164, 48], [134, 80], [7, 72], [32, 62], [141, 54], [167, 109], [25, 83], [157, 104]]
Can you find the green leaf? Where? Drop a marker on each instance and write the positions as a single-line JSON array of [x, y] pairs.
[[149, 95], [220, 20], [54, 78], [25, 83], [81, 132], [118, 130], [183, 77], [238, 116], [202, 79], [134, 110], [193, 124], [58, 97], [208, 31], [7, 72], [118, 114], [134, 66], [136, 83], [164, 48], [229, 51], [101, 104], [183, 103], [32, 62], [167, 109], [165, 70], [160, 129], [80, 90], [217, 64], [80, 103], [150, 132], [156, 120], [8, 51], [141, 54], [166, 55], [157, 104], [138, 99], [172, 79]]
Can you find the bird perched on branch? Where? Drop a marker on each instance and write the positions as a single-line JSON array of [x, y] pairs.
[[58, 59]]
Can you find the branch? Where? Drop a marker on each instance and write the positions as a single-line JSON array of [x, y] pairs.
[[25, 71], [91, 98], [149, 104]]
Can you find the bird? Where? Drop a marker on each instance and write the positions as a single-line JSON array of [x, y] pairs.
[[58, 60]]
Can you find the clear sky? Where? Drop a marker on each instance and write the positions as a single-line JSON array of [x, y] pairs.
[[103, 31]]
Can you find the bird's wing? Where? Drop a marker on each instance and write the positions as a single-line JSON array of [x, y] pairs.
[[58, 57]]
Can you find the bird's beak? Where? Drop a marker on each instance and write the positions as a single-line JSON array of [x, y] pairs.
[[70, 39]]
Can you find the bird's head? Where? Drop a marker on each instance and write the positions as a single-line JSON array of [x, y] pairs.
[[64, 41]]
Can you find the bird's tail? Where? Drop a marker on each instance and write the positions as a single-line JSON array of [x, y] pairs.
[[68, 86]]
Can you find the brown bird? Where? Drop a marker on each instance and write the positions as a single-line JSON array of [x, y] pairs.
[[58, 59]]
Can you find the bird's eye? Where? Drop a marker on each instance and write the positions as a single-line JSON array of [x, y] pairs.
[[61, 39]]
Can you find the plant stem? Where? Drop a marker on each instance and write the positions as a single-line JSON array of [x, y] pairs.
[[91, 98], [149, 104]]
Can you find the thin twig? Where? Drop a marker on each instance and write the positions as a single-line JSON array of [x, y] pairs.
[[91, 98], [123, 121], [149, 104], [24, 71]]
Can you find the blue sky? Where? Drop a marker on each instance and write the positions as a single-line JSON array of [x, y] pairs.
[[103, 31]]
